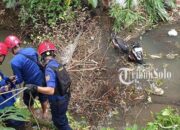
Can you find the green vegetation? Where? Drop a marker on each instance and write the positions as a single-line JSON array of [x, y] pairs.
[[93, 3], [167, 119], [149, 12], [156, 10], [46, 12], [10, 3], [124, 17], [38, 13], [19, 114], [78, 125]]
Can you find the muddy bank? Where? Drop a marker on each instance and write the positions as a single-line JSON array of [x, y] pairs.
[[9, 19], [96, 83]]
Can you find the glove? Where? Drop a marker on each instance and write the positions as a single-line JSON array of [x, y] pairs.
[[12, 79], [4, 88], [31, 88]]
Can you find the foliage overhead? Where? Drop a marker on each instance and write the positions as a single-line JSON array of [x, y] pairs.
[[124, 17], [156, 10], [46, 12], [93, 3], [10, 3], [149, 11]]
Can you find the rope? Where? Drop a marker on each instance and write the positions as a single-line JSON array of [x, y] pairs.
[[13, 96], [11, 91], [31, 98], [21, 90]]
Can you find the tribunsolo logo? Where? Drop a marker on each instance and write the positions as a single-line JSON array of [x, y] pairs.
[[128, 76]]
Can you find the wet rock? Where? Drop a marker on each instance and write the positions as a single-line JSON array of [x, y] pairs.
[[157, 91], [165, 65], [92, 38], [171, 56], [149, 99], [154, 89], [156, 56]]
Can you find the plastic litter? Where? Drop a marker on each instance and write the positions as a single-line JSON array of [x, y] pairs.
[[172, 32]]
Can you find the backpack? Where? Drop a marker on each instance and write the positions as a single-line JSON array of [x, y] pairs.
[[64, 80]]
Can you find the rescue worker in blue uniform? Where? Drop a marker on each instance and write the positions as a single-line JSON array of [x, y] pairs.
[[58, 103], [25, 67], [4, 80], [6, 84]]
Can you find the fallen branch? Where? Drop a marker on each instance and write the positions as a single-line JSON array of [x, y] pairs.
[[67, 53], [87, 69]]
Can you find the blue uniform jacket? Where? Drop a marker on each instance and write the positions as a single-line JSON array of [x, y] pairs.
[[3, 82], [26, 69], [58, 104], [51, 78]]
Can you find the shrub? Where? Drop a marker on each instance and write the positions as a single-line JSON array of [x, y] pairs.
[[46, 12], [124, 17]]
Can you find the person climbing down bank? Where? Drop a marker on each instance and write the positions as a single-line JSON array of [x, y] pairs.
[[58, 84], [25, 67], [6, 84]]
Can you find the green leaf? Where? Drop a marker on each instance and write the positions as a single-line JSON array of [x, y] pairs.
[[166, 112], [6, 128], [15, 117], [10, 3], [93, 3], [14, 114], [67, 2], [134, 127]]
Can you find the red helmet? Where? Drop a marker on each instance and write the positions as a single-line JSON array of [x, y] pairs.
[[3, 49], [11, 41], [46, 46]]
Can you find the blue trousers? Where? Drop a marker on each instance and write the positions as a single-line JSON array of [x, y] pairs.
[[58, 111]]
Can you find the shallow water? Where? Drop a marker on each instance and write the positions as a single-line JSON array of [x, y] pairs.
[[157, 41]]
